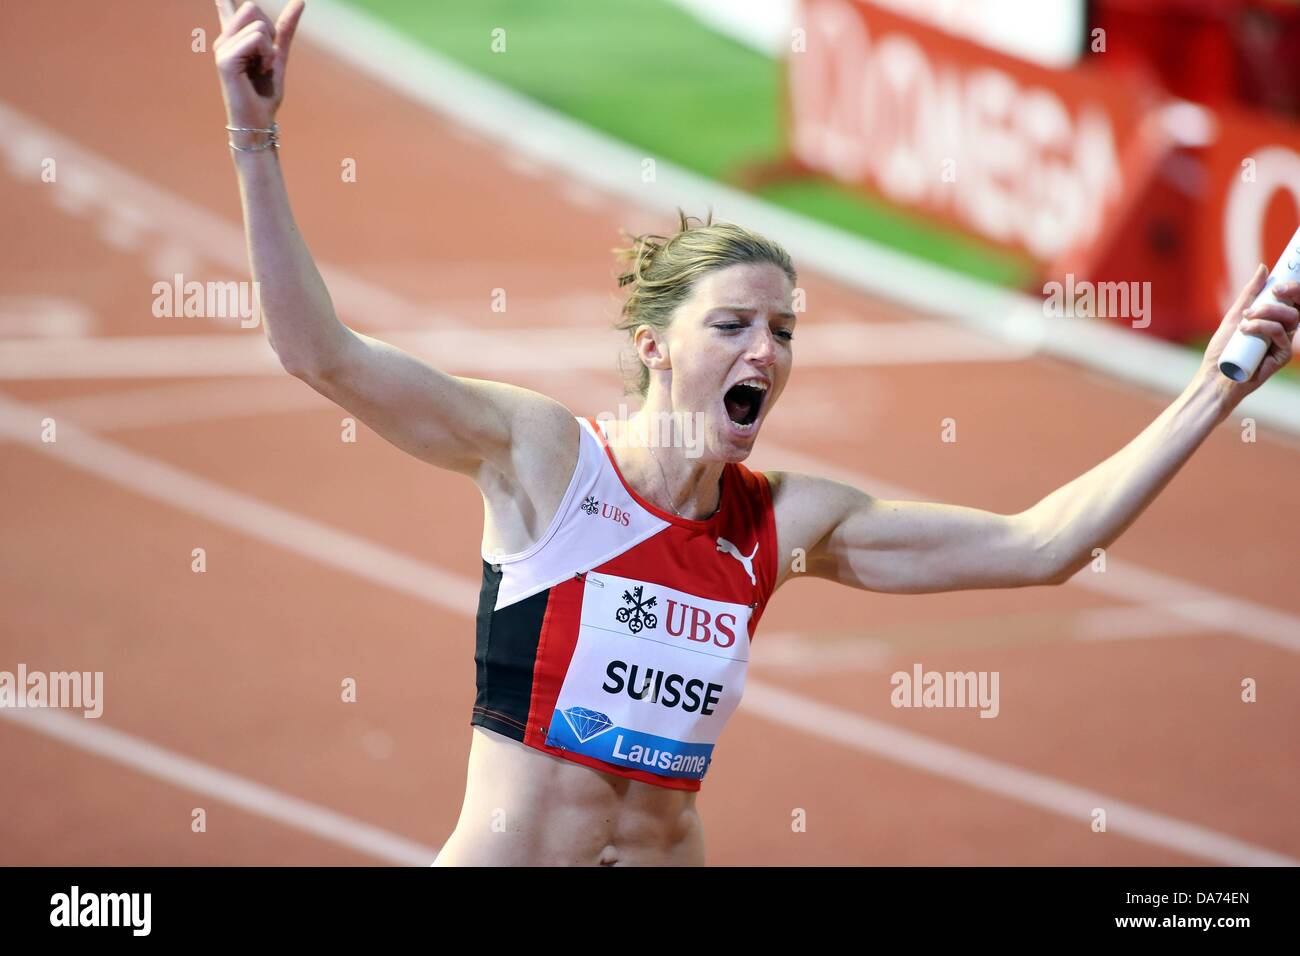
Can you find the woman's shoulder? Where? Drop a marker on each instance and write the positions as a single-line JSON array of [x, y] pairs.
[[797, 495]]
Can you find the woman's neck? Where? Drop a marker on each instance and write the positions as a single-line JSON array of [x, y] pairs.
[[661, 467]]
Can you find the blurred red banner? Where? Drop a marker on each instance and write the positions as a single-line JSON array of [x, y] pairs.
[[1023, 156], [1093, 171]]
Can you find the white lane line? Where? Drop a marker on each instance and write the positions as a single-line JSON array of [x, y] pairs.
[[1128, 623], [1199, 606], [186, 403], [1202, 606], [214, 502], [189, 774], [993, 776], [569, 149], [812, 654], [790, 653], [387, 568], [145, 356], [171, 233], [43, 316], [834, 345]]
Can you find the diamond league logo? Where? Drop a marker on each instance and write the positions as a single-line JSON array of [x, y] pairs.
[[586, 723]]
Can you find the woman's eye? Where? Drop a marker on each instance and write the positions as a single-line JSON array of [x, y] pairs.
[[786, 335]]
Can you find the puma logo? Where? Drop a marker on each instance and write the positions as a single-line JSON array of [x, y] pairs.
[[746, 562]]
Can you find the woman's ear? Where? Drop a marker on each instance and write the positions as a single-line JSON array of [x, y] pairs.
[[651, 347]]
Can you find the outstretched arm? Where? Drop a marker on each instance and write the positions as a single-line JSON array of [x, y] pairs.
[[915, 547], [831, 530], [1094, 509]]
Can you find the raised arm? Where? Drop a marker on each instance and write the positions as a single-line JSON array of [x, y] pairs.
[[845, 535], [456, 423]]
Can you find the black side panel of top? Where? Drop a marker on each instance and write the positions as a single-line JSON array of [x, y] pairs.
[[505, 650]]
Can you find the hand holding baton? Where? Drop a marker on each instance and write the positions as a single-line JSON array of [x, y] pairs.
[[1243, 353]]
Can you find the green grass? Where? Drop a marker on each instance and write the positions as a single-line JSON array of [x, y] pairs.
[[646, 73]]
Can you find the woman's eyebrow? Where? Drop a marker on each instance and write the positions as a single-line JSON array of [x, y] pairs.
[[747, 309]]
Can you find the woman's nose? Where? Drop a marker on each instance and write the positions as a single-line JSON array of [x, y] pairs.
[[763, 349]]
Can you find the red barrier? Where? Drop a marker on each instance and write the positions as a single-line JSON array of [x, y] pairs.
[[1019, 155], [1252, 201], [1095, 171]]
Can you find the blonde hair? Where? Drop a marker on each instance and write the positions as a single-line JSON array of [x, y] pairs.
[[664, 269]]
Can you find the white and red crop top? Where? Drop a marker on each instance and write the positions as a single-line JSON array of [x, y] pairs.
[[620, 639]]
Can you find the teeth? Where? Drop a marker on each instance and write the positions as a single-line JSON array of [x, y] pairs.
[[755, 384]]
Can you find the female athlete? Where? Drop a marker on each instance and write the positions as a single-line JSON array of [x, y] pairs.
[[623, 574]]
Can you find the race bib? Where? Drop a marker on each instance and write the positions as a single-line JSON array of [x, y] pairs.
[[655, 674]]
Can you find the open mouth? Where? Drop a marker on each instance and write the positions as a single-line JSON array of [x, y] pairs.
[[744, 401]]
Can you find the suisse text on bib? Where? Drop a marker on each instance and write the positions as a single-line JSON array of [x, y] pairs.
[[655, 674]]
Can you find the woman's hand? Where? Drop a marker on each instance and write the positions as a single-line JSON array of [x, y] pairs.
[[251, 55], [1274, 321]]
